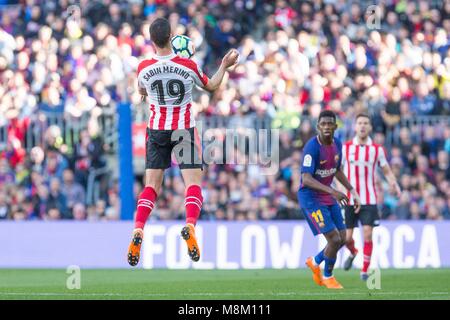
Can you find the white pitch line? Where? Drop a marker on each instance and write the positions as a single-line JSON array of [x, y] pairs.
[[213, 294]]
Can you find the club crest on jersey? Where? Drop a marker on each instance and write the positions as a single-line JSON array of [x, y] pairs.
[[336, 158]]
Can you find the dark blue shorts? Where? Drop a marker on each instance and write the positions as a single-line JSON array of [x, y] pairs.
[[322, 218]]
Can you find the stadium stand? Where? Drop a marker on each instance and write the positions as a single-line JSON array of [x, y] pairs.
[[64, 69]]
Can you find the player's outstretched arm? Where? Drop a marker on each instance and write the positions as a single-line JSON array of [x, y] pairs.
[[340, 176], [309, 181], [229, 60]]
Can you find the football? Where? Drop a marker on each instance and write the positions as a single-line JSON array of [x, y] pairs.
[[183, 46]]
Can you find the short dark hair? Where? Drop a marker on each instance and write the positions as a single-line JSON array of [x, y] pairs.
[[160, 32], [327, 113], [362, 115]]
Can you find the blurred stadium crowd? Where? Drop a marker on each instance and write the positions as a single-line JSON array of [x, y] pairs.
[[297, 58]]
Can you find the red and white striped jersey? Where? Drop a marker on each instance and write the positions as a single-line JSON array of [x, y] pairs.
[[168, 81], [359, 165]]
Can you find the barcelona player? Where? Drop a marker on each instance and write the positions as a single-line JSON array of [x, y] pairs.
[[319, 202]]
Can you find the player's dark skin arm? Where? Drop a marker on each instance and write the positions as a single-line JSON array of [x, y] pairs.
[[340, 176], [312, 183], [343, 179]]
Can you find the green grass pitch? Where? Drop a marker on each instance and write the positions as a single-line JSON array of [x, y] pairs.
[[219, 284]]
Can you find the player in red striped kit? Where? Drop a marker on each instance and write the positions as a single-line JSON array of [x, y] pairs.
[[168, 81], [360, 158]]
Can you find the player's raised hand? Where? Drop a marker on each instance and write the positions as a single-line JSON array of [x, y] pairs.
[[340, 197], [231, 58]]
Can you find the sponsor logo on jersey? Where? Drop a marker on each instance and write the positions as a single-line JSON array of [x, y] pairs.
[[325, 173]]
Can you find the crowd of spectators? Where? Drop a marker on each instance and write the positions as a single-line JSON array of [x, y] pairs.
[[77, 60]]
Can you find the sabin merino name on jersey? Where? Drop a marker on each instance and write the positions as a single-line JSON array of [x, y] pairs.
[[165, 69]]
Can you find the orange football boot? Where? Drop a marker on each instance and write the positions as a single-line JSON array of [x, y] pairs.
[[317, 274], [331, 283], [134, 250], [188, 234]]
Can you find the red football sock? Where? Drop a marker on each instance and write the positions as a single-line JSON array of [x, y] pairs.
[[351, 246], [367, 255], [193, 203], [145, 206]]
